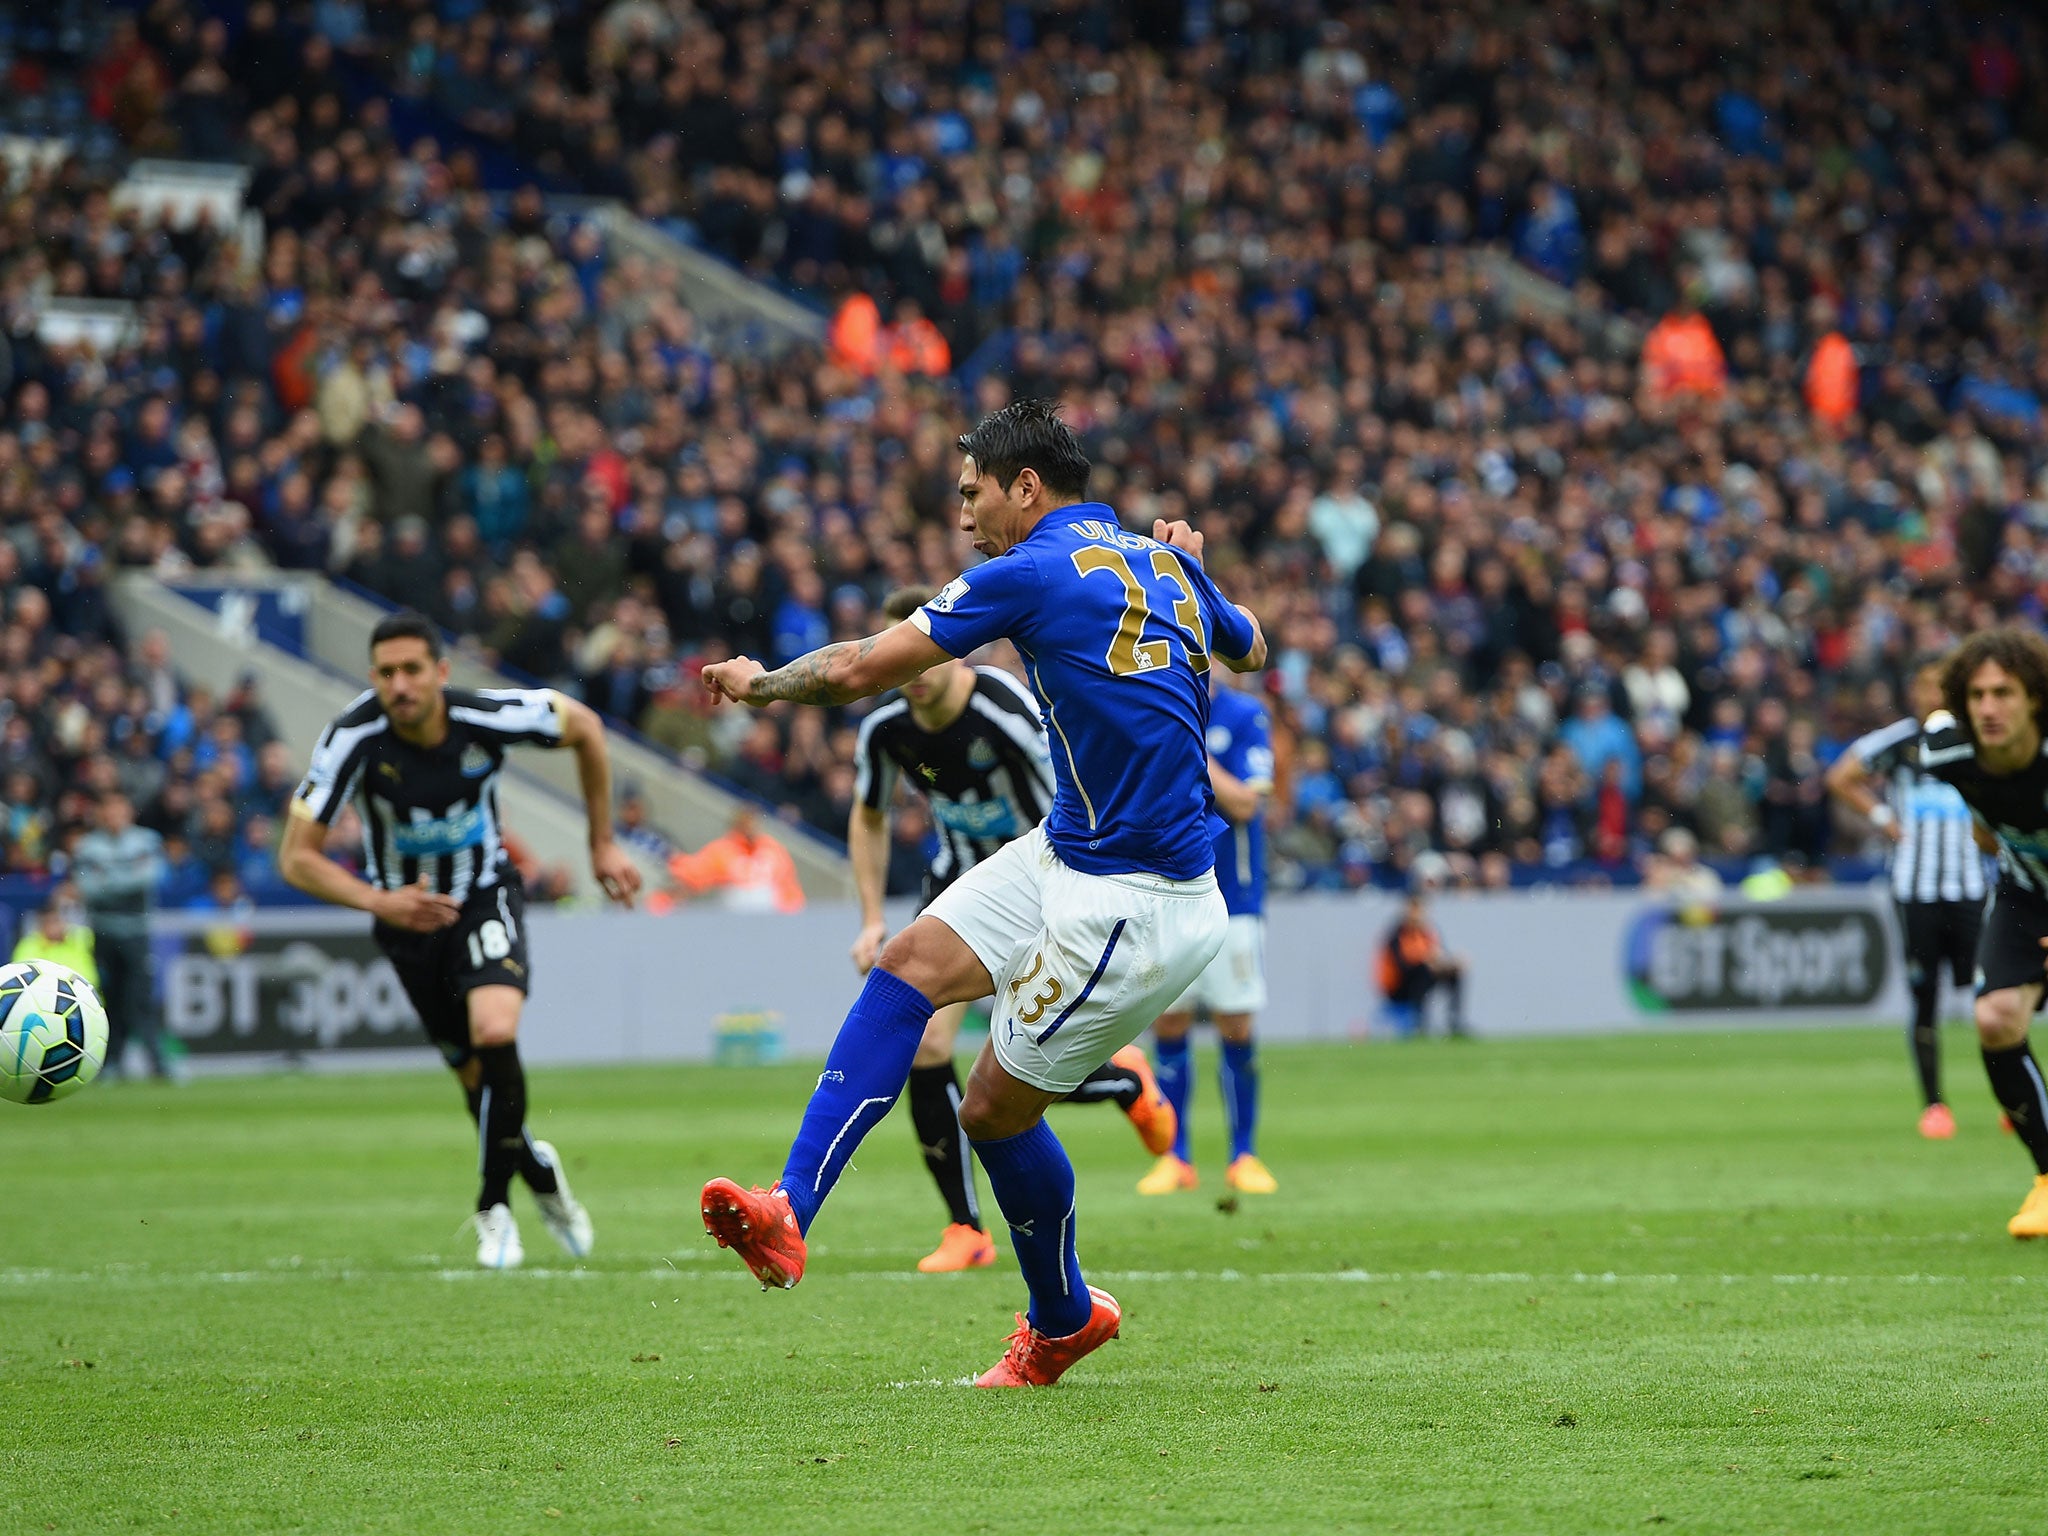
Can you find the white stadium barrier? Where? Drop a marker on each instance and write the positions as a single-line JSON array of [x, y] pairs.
[[308, 986]]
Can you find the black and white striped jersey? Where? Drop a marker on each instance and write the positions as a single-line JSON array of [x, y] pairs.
[[2013, 805], [1936, 858], [428, 811], [988, 775]]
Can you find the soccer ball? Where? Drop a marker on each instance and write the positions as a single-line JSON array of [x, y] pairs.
[[53, 1032]]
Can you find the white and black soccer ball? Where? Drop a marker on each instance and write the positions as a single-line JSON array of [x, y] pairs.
[[53, 1032]]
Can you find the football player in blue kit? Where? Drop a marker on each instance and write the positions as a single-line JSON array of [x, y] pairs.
[[1232, 988], [1084, 928]]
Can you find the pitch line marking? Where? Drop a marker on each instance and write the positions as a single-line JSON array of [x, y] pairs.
[[119, 1275]]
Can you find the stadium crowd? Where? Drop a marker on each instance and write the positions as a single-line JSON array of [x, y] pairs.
[[1576, 586], [83, 722]]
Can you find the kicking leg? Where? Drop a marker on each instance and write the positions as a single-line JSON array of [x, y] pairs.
[[924, 968]]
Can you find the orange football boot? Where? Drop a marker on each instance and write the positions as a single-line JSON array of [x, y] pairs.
[[963, 1247], [1033, 1360], [1247, 1175], [1937, 1123], [1152, 1117], [2032, 1220], [760, 1227], [1168, 1176]]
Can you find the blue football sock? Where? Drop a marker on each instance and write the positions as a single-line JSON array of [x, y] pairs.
[[1239, 1074], [1034, 1185], [1176, 1077], [868, 1066]]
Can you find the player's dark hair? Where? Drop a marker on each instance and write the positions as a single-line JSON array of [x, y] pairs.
[[2018, 651], [406, 624], [904, 601], [1028, 434]]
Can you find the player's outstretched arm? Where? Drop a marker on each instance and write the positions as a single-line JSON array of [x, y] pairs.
[[583, 733], [832, 674], [302, 860]]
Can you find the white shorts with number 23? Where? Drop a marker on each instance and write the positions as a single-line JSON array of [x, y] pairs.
[[1082, 963]]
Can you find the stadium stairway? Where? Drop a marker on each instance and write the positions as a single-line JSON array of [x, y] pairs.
[[738, 314], [305, 641]]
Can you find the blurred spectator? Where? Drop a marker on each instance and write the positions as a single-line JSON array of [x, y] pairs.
[[1677, 870], [1832, 381], [1599, 740], [225, 896], [1682, 358], [910, 847], [1413, 967], [59, 933], [632, 827], [546, 884], [1776, 429], [119, 868], [747, 867]]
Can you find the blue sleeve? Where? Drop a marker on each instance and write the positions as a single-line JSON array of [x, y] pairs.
[[993, 601], [1230, 632], [1252, 748]]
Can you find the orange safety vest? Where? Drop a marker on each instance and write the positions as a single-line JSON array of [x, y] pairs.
[[760, 875], [1408, 948], [1682, 356], [919, 348], [855, 336], [1831, 381]]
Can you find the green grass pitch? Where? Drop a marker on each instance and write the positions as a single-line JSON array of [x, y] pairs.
[[1690, 1283]]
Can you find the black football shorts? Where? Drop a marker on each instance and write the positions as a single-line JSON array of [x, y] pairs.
[[484, 947]]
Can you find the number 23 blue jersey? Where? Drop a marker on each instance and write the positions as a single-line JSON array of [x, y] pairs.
[[1116, 632]]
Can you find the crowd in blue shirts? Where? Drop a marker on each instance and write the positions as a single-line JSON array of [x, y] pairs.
[[1527, 620], [80, 718]]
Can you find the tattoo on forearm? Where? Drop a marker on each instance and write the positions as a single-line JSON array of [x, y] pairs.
[[816, 678]]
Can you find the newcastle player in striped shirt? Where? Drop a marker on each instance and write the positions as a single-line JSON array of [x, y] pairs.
[[1986, 740], [1937, 872], [421, 762], [970, 739]]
